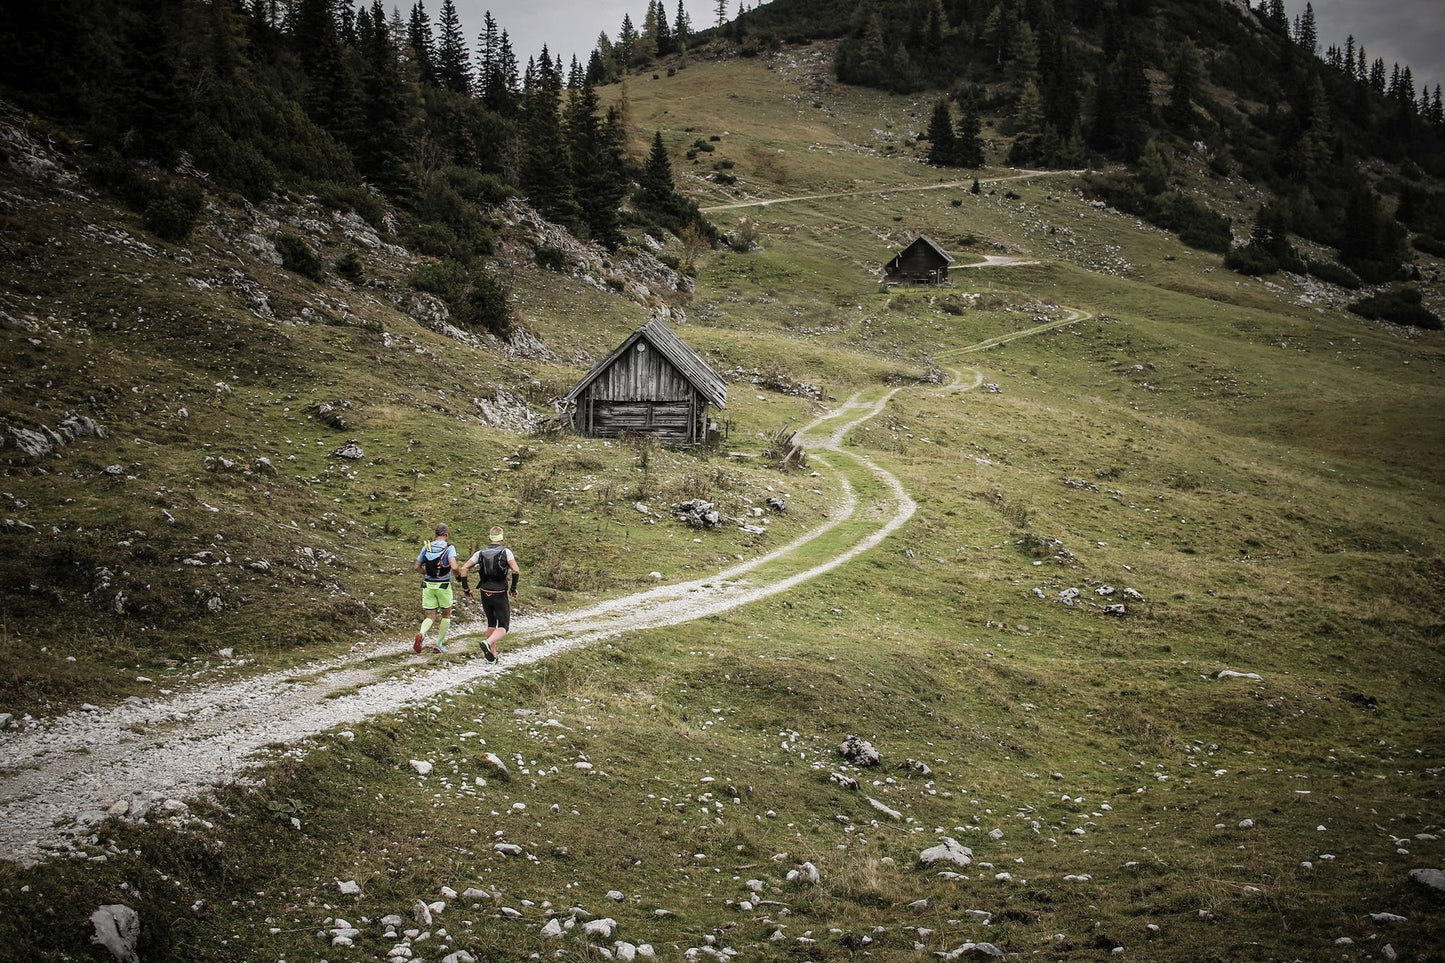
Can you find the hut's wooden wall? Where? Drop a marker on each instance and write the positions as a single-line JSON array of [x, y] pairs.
[[643, 393]]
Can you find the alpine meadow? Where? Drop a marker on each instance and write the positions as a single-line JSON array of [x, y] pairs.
[[1052, 565]]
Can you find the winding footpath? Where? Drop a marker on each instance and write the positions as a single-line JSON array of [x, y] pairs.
[[864, 192], [59, 777]]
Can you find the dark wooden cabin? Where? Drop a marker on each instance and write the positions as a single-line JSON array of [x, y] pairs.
[[653, 384], [922, 262]]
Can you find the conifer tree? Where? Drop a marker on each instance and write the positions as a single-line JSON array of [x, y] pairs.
[[510, 88], [146, 101], [329, 99], [422, 45], [1307, 36], [599, 181], [1184, 87], [655, 186], [626, 43], [967, 142], [942, 151], [645, 48], [681, 29], [666, 42], [454, 68], [1023, 59], [722, 12], [1028, 125], [490, 85], [387, 111], [546, 169]]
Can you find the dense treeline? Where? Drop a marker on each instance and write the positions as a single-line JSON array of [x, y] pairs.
[[340, 102], [1070, 81]]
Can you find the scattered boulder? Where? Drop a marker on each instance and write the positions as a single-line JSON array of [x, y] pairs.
[[1431, 878], [1231, 674], [948, 851], [884, 809], [117, 928], [351, 450], [806, 873], [698, 513], [847, 782], [973, 949], [859, 752], [495, 761]]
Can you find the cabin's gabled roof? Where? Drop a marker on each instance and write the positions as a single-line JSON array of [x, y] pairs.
[[929, 243], [707, 381]]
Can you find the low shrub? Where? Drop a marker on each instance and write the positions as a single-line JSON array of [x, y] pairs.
[[1248, 259], [1427, 244], [1332, 273], [1399, 305], [349, 265], [551, 258], [297, 255], [445, 278]]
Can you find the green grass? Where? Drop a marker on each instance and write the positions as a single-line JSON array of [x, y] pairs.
[[1265, 475]]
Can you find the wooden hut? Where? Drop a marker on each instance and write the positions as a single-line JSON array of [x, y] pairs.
[[653, 384], [922, 262]]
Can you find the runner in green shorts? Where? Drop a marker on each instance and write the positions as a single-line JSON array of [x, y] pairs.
[[435, 562]]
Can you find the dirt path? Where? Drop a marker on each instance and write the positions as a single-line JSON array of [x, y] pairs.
[[63, 775], [769, 201]]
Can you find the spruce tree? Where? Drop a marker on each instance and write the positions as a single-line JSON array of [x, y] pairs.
[[546, 171], [454, 68], [722, 12], [1184, 87], [655, 188], [490, 85], [1028, 125], [666, 42], [681, 29], [329, 96], [942, 151], [422, 45], [967, 141], [388, 112], [598, 180]]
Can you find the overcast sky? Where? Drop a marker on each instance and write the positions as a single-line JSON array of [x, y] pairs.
[[1408, 32], [1399, 31], [569, 27]]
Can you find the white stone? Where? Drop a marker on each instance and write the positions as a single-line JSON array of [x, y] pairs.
[[599, 928], [421, 766], [948, 851], [1433, 878], [117, 928], [552, 929], [349, 887]]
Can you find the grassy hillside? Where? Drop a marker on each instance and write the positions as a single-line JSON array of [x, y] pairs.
[[1263, 473]]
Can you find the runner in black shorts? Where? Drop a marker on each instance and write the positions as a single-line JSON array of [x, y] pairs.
[[496, 563]]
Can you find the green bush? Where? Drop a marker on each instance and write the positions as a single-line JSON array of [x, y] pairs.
[[1248, 259], [1332, 273], [551, 258], [1399, 305], [297, 255], [486, 304], [349, 265], [446, 278], [1427, 244]]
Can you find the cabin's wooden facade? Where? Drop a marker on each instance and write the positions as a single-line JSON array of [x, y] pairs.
[[922, 262], [652, 384]]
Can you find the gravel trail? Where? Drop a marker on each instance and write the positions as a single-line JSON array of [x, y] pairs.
[[61, 776]]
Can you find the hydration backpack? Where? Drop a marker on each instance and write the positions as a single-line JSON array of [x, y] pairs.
[[493, 564], [438, 568]]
